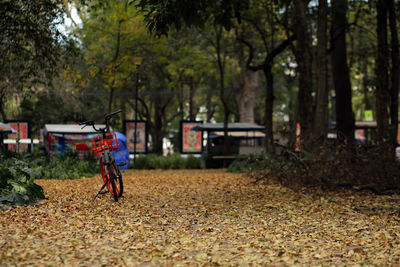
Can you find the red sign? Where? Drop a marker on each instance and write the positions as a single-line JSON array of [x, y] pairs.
[[191, 140], [139, 139], [22, 133]]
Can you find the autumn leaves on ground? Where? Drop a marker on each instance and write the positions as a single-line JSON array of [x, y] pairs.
[[200, 217]]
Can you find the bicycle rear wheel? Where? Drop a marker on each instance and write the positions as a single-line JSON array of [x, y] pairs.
[[119, 186], [113, 178], [106, 177]]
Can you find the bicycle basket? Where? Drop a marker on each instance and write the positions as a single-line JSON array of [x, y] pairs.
[[99, 144]]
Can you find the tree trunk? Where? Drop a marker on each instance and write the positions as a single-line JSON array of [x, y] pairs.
[[221, 68], [395, 73], [181, 103], [269, 107], [192, 113], [2, 111], [114, 60], [321, 114], [110, 99], [367, 102], [247, 98], [303, 57], [382, 78], [341, 75], [292, 143], [209, 107], [158, 133], [123, 109]]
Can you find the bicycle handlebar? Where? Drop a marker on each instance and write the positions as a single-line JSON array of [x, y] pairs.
[[86, 123], [107, 117]]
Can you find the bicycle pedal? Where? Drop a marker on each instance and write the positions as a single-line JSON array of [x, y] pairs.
[[120, 164], [104, 192]]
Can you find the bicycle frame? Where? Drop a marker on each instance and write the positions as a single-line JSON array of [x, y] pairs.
[[109, 169]]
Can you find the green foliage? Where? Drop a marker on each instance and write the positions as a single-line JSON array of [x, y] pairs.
[[32, 45], [162, 15], [193, 162], [68, 166], [45, 109], [174, 161], [261, 163], [17, 185]]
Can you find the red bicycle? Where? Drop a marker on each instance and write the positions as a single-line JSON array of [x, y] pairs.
[[102, 146]]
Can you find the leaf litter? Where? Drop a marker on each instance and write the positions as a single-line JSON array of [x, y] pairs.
[[199, 217]]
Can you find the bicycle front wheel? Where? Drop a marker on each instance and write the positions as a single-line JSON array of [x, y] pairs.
[[113, 186], [115, 180]]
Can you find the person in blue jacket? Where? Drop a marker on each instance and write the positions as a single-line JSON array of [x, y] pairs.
[[122, 153]]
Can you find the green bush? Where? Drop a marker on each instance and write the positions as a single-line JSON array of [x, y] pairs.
[[17, 185], [141, 163], [174, 161], [264, 163], [193, 162], [177, 161], [68, 166]]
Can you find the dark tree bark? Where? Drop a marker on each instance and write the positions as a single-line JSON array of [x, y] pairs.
[[367, 102], [321, 114], [341, 75], [113, 62], [382, 78], [158, 125], [2, 111], [192, 108], [181, 102], [304, 61], [395, 73], [209, 105], [221, 68], [269, 107]]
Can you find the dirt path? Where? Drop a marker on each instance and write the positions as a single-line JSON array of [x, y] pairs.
[[198, 218]]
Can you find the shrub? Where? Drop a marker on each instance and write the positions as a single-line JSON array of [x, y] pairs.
[[174, 161], [17, 185], [263, 163], [177, 161], [193, 163], [68, 166], [141, 163]]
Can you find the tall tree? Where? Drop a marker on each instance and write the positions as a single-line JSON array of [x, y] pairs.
[[321, 112], [304, 61], [221, 53], [30, 43], [269, 30], [341, 75], [395, 72], [382, 77], [247, 82]]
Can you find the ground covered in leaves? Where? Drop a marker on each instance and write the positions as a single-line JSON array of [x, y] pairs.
[[199, 217]]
